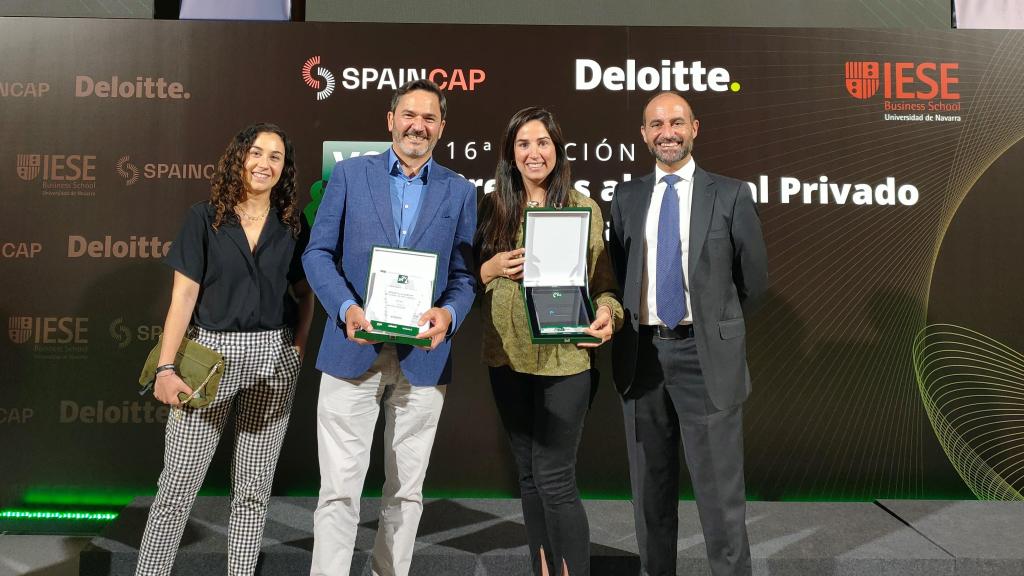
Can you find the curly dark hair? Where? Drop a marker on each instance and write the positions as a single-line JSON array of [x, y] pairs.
[[227, 187], [501, 212]]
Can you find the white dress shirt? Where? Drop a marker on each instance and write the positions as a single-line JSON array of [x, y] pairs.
[[684, 190]]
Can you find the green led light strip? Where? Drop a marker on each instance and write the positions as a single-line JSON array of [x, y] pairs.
[[48, 515]]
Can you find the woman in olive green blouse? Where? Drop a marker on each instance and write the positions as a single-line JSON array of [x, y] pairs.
[[542, 391]]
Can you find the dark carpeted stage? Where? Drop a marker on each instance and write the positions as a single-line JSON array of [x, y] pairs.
[[486, 537]]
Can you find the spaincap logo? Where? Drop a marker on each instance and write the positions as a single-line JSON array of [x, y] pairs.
[[862, 79], [19, 328], [389, 78], [24, 89], [120, 333], [124, 334], [324, 88], [127, 170], [28, 166]]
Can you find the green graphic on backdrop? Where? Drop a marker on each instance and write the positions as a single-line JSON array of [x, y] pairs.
[[973, 391], [335, 151]]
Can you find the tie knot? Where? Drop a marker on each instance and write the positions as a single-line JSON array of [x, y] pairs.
[[670, 179]]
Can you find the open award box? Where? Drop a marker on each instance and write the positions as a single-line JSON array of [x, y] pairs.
[[555, 285], [399, 289]]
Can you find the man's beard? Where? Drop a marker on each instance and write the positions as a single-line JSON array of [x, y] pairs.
[[682, 152]]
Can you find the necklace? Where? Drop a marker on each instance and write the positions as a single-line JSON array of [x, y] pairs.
[[251, 218], [532, 204]]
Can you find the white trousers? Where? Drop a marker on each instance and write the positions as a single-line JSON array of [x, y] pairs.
[[347, 413]]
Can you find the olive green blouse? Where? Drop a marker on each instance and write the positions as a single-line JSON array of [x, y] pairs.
[[506, 329]]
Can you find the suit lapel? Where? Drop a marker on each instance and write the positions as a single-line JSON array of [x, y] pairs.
[[435, 194], [641, 206], [701, 207], [380, 194]]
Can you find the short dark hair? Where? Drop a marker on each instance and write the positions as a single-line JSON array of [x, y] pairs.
[[421, 84]]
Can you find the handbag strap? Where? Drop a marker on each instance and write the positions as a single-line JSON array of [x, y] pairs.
[[209, 376]]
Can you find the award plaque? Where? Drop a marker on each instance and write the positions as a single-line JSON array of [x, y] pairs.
[[399, 289], [555, 286]]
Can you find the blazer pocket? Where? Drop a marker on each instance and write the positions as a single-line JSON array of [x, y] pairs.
[[730, 329], [719, 233]]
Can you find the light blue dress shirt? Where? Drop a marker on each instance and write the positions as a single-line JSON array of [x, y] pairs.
[[406, 193]]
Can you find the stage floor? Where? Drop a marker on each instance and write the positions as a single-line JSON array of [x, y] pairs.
[[486, 537]]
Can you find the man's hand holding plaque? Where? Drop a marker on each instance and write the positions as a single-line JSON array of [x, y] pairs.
[[355, 320], [437, 320]]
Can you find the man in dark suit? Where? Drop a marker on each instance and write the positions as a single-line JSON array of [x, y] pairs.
[[689, 255], [401, 199]]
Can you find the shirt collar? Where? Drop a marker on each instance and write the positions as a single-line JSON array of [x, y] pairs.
[[686, 172], [396, 167]]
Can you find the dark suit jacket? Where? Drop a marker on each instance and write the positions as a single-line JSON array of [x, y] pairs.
[[354, 216], [727, 271]]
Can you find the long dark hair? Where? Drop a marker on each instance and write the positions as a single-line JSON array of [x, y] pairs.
[[501, 211], [227, 188]]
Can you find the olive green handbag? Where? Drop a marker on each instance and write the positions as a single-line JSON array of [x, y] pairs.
[[200, 367]]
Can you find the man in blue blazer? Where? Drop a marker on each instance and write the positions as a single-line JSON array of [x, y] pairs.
[[400, 199]]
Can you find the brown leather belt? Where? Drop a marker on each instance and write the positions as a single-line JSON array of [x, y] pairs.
[[680, 332]]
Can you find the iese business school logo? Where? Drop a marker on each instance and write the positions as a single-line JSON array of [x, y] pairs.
[[320, 78], [48, 330], [51, 337], [927, 90], [62, 174]]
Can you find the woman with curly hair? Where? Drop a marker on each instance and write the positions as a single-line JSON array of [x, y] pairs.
[[239, 288], [542, 391]]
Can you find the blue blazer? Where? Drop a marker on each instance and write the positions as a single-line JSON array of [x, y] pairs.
[[354, 216]]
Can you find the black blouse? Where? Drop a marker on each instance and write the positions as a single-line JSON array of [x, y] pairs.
[[239, 290]]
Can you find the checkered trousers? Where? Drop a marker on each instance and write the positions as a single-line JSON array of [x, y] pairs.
[[258, 386]]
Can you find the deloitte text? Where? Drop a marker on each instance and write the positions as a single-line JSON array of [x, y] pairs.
[[141, 87], [133, 247], [678, 75], [136, 412]]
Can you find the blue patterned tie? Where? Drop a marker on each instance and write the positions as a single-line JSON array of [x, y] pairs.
[[670, 295]]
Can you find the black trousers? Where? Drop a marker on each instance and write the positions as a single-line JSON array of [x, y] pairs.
[[669, 403], [543, 416]]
